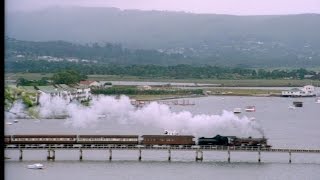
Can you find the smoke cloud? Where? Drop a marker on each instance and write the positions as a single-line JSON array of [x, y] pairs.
[[17, 110], [107, 109], [52, 106]]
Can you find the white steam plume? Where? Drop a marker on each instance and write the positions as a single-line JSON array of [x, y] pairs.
[[152, 115], [17, 110], [52, 106]]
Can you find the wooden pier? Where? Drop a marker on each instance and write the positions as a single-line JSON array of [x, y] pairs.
[[140, 148]]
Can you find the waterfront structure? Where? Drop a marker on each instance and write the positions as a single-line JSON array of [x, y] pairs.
[[306, 91], [80, 93]]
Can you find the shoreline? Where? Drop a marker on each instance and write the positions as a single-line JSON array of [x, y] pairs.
[[12, 77]]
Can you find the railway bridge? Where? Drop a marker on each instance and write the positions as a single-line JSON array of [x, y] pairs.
[[51, 148]]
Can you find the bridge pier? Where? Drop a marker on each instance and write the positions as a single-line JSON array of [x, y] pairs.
[[289, 156], [80, 158], [259, 156], [20, 155], [53, 155], [110, 154], [197, 155], [139, 155], [49, 157], [169, 154], [229, 154]]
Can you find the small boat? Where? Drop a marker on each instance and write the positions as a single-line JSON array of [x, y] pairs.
[[318, 100], [297, 103], [291, 107], [250, 109], [15, 121], [8, 123], [35, 166], [237, 110], [101, 116], [252, 118]]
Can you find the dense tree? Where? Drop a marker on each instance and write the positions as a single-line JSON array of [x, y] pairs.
[[67, 77], [181, 71], [24, 82]]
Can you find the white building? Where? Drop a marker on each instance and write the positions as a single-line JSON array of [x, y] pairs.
[[306, 91], [90, 84], [69, 93], [145, 87], [83, 94]]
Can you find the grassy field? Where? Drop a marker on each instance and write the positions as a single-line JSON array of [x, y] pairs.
[[223, 82], [156, 97], [28, 76], [222, 92], [244, 92]]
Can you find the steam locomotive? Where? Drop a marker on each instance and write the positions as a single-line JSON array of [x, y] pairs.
[[146, 140], [233, 141]]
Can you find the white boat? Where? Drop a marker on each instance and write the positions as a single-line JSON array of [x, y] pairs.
[[250, 108], [252, 118], [318, 100], [36, 166], [291, 107], [8, 123], [237, 110], [15, 121], [101, 116]]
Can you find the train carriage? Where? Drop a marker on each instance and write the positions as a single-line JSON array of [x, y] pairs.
[[43, 139], [108, 139], [7, 139], [167, 140]]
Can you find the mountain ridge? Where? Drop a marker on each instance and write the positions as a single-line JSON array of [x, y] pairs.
[[278, 40]]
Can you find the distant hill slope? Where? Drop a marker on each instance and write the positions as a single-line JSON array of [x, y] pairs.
[[106, 53], [286, 40]]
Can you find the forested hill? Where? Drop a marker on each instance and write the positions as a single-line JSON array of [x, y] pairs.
[[101, 53], [277, 40]]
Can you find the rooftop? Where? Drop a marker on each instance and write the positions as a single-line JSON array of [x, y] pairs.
[[47, 89], [88, 82]]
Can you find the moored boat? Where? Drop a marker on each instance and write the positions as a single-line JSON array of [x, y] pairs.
[[291, 107], [237, 110], [250, 109], [36, 166], [318, 100], [297, 103]]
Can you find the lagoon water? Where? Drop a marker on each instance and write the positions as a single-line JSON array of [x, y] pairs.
[[294, 128]]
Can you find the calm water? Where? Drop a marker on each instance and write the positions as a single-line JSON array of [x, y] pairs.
[[298, 128]]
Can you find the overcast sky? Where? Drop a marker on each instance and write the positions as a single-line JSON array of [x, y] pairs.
[[236, 7]]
